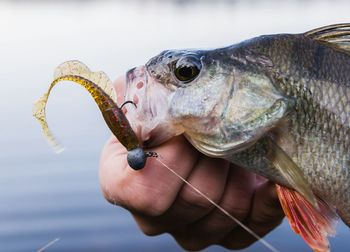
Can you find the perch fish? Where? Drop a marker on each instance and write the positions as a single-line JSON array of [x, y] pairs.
[[277, 105]]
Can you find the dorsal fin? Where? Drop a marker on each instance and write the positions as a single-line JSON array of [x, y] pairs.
[[338, 35]]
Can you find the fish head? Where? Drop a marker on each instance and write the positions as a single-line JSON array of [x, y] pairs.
[[171, 91], [205, 94]]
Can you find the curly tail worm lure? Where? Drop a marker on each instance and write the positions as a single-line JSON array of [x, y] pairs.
[[101, 90]]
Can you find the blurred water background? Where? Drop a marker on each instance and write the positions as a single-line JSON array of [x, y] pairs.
[[44, 196]]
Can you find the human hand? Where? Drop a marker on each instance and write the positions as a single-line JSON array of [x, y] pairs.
[[161, 202]]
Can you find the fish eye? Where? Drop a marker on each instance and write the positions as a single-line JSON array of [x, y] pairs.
[[187, 69]]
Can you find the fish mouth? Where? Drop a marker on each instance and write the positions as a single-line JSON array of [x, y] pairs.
[[135, 91], [149, 118], [134, 75]]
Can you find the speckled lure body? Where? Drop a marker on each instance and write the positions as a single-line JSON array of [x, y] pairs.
[[99, 86]]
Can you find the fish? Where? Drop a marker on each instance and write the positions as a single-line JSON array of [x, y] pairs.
[[277, 105]]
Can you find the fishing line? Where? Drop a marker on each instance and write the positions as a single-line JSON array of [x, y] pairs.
[[159, 158], [48, 245]]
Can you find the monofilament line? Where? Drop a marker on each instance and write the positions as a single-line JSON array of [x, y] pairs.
[[260, 239], [48, 245]]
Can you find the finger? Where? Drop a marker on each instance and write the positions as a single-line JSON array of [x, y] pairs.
[[236, 200], [153, 189], [208, 176], [266, 214]]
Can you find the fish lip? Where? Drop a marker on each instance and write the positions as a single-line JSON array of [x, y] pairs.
[[142, 114], [135, 73], [150, 119], [129, 76]]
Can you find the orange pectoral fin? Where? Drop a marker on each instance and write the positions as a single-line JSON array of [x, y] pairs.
[[313, 225]]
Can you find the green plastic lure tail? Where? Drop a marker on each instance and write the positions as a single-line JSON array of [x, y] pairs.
[[101, 90]]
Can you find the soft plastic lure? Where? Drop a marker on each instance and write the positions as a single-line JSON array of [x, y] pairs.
[[99, 86]]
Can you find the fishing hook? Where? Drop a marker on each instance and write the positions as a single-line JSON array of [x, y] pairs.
[[133, 103]]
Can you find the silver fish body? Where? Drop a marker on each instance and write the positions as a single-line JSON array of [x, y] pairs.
[[293, 89]]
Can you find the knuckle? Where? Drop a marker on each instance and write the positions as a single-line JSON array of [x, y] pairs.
[[272, 202], [264, 226], [150, 226], [268, 218], [149, 205], [143, 198], [132, 191], [239, 211], [190, 198], [136, 202], [151, 230]]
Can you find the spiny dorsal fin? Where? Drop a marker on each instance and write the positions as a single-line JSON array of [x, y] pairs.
[[338, 35], [291, 172], [75, 67]]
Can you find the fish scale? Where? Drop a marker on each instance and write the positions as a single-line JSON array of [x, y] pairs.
[[321, 130]]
